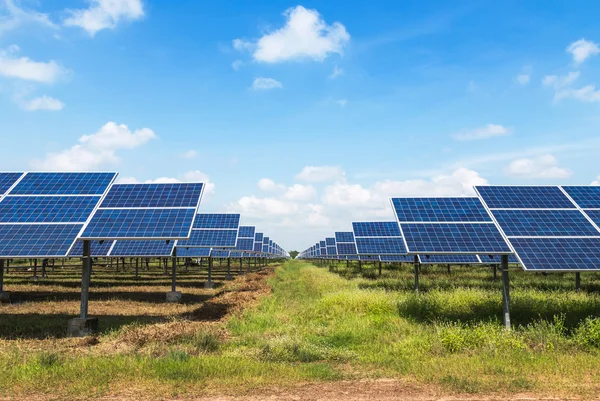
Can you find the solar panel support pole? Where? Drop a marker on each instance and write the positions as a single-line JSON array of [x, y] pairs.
[[416, 273], [577, 282], [209, 283], [505, 293], [174, 296], [85, 279], [4, 296], [229, 276], [380, 267]]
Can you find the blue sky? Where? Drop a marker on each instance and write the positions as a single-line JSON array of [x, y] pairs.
[[304, 116]]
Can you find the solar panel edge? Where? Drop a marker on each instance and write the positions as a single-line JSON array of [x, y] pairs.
[[580, 209]]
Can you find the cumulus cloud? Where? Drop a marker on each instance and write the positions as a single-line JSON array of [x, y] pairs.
[[545, 166], [13, 66], [266, 84], [582, 50], [558, 82], [13, 17], [588, 93], [597, 181], [190, 176], [299, 192], [268, 185], [305, 35], [320, 173], [105, 14], [96, 150], [488, 131], [42, 103], [190, 154], [523, 79]]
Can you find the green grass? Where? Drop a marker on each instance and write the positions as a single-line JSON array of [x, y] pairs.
[[320, 325]]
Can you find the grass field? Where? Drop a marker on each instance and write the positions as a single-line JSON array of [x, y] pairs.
[[303, 324]]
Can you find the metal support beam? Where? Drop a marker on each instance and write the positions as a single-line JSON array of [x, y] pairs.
[[577, 282], [209, 282], [229, 276], [495, 273], [416, 262], [448, 268], [380, 267], [174, 271], [505, 293], [1, 276], [86, 275]]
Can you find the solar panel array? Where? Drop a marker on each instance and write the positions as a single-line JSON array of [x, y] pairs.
[[378, 238], [550, 228]]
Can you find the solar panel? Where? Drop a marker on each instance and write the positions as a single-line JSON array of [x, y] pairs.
[[587, 197], [193, 252], [379, 246], [7, 180], [439, 210], [210, 238], [208, 220], [322, 244], [495, 259], [37, 240], [144, 248], [397, 258], [97, 248], [331, 251], [245, 244], [330, 241], [140, 224], [546, 227], [376, 229], [153, 195], [449, 259], [440, 238], [219, 253], [246, 232], [258, 237], [344, 237], [371, 258], [63, 184], [524, 197], [594, 215], [47, 209], [258, 246], [346, 248]]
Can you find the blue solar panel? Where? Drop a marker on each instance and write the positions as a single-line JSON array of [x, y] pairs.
[[331, 251], [193, 252], [219, 253], [322, 244], [245, 244], [454, 238], [265, 248], [258, 237], [7, 180], [258, 247], [587, 197], [351, 257], [542, 222], [496, 259], [532, 197], [143, 248], [344, 237], [204, 220], [266, 240], [37, 240], [63, 184], [153, 195], [47, 209], [330, 241], [449, 259], [140, 223], [370, 258], [379, 246], [210, 238], [346, 248], [97, 249], [376, 229], [396, 258], [595, 216], [246, 232], [545, 254], [439, 209]]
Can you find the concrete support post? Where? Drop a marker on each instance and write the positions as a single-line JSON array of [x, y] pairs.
[[416, 262], [209, 283], [174, 296], [84, 325], [448, 268], [228, 276], [577, 282], [505, 293]]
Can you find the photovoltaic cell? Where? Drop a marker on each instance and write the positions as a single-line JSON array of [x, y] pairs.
[[245, 244], [330, 241], [331, 251], [558, 253], [396, 258], [47, 209], [193, 252], [7, 180], [258, 237], [143, 248], [246, 232], [587, 197], [205, 220], [496, 259], [595, 216], [258, 247], [37, 240], [219, 253], [449, 259], [346, 248], [344, 237], [454, 238], [322, 244], [210, 238], [140, 223], [439, 210], [379, 246], [153, 195], [542, 222], [524, 197], [63, 184], [376, 229], [97, 249]]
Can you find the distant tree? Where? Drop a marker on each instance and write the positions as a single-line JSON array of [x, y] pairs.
[[293, 254]]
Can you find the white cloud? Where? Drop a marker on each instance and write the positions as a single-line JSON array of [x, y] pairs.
[[545, 166], [42, 103], [26, 69], [96, 150], [342, 102], [266, 84], [190, 154], [588, 93], [320, 173], [190, 176], [597, 181], [268, 185], [523, 79], [344, 194], [305, 35], [582, 50], [12, 17], [558, 82], [237, 64], [299, 192], [337, 71], [105, 14], [485, 132]]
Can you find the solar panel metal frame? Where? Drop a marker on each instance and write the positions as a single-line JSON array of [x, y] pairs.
[[573, 202], [409, 252]]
